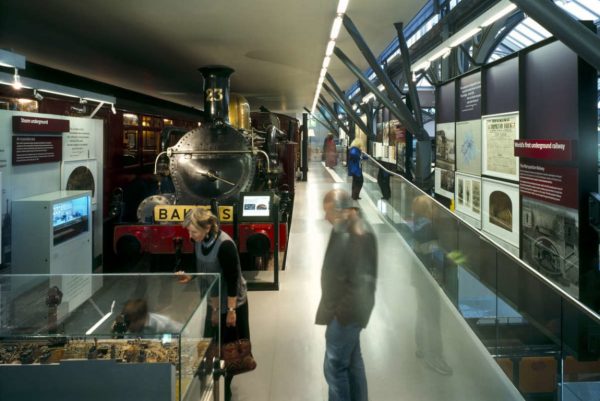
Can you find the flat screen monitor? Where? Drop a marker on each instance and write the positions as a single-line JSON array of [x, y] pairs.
[[70, 218], [255, 206]]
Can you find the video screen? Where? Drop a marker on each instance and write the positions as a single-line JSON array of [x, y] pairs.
[[256, 206], [70, 212], [70, 218]]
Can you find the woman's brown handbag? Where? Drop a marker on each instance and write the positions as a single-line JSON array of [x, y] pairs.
[[238, 357]]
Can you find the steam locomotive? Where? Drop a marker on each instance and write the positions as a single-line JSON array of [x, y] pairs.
[[244, 173]]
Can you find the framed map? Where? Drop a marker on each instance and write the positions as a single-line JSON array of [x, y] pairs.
[[468, 147], [499, 134]]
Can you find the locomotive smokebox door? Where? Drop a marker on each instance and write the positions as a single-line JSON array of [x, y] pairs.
[[213, 161]]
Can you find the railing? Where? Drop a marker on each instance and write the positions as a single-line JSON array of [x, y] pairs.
[[547, 342]]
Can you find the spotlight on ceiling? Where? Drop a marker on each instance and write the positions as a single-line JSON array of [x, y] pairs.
[[37, 95], [82, 101], [17, 80]]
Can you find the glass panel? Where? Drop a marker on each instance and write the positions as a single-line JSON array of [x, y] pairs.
[[581, 358], [146, 121], [447, 232], [150, 139], [545, 342], [130, 119], [130, 139], [11, 103], [116, 322], [437, 240], [130, 147]]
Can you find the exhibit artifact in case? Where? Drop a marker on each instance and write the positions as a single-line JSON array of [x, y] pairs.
[[125, 337]]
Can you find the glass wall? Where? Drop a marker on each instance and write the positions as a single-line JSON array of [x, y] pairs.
[[545, 341]]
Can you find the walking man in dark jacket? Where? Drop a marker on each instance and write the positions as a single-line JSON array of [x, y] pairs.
[[348, 280]]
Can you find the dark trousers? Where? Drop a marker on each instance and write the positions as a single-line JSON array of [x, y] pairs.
[[229, 334], [383, 179], [357, 183]]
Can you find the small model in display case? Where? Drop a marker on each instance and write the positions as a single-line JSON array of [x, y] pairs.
[[124, 341]]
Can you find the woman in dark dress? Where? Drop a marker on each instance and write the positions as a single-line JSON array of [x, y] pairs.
[[216, 252]]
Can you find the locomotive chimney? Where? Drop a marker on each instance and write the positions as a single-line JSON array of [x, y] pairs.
[[216, 91]]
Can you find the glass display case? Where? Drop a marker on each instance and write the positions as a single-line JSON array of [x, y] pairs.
[[125, 337], [51, 233]]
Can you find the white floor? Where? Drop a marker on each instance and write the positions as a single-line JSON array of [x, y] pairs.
[[289, 347]]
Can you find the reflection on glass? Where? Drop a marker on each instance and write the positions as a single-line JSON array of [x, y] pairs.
[[130, 119], [544, 341], [133, 324]]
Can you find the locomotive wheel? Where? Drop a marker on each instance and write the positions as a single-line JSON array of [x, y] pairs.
[[129, 248], [258, 244]]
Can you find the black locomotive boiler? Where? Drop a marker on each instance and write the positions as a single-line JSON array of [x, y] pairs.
[[221, 164]]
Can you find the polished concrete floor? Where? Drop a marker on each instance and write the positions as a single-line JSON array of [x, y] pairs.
[[410, 309]]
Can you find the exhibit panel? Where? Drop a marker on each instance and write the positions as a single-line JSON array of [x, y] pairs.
[[533, 147], [130, 337], [44, 153]]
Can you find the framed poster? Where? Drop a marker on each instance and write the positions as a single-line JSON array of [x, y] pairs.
[[445, 146], [468, 147], [468, 195], [444, 182], [500, 210], [498, 156]]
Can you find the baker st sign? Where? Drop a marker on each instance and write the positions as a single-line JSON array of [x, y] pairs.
[[176, 213]]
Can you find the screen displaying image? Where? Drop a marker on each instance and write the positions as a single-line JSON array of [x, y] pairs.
[[69, 212], [256, 205], [70, 218]]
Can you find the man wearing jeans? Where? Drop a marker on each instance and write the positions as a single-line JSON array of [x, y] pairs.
[[348, 280]]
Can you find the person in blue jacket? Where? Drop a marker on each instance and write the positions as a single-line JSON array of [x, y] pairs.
[[355, 157]]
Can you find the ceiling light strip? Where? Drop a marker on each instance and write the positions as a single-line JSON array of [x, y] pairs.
[[333, 34]]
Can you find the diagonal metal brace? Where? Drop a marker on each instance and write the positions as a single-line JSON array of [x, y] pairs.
[[324, 110], [331, 111], [413, 95], [341, 99], [401, 111], [324, 124]]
